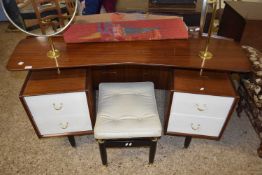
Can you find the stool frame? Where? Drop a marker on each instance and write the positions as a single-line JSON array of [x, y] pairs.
[[125, 143]]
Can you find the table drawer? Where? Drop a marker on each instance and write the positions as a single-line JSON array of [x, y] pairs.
[[59, 113], [65, 104], [201, 105], [195, 125], [60, 125]]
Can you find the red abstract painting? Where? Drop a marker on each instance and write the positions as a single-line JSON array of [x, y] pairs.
[[127, 31]]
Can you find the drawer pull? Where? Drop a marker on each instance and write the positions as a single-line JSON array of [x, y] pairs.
[[201, 107], [64, 125], [195, 127], [58, 107]]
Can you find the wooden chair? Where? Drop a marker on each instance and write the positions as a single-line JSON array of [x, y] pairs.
[[70, 5], [48, 13]]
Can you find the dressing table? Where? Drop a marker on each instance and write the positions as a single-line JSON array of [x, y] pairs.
[[166, 63], [30, 54]]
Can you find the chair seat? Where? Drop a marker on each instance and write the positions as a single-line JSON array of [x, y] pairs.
[[127, 110]]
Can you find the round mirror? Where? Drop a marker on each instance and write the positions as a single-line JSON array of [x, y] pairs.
[[40, 17]]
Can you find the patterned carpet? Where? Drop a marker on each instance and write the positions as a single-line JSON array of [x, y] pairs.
[[21, 152]]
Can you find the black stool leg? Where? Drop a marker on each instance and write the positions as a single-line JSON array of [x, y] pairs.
[[187, 141], [72, 141], [152, 151], [102, 149]]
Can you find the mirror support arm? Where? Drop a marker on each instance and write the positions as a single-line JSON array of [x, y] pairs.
[[53, 53], [206, 54]]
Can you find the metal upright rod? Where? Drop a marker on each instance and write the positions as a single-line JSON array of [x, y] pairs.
[[51, 44], [53, 53], [203, 17], [206, 54], [211, 25]]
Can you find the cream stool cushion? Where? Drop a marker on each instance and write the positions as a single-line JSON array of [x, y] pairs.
[[127, 110]]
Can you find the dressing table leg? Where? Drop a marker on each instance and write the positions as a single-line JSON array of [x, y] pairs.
[[240, 105], [72, 141], [187, 141], [103, 154], [259, 150]]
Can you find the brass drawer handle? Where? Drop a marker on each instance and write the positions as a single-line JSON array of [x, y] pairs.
[[58, 107], [64, 125], [201, 108], [195, 127]]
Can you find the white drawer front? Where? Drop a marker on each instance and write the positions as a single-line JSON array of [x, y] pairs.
[[195, 125], [201, 105], [59, 113]]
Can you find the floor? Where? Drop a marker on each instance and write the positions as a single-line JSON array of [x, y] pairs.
[[21, 152]]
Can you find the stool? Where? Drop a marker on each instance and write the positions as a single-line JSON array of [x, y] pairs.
[[127, 116]]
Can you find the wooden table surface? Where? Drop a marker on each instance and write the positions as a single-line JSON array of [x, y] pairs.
[[30, 53]]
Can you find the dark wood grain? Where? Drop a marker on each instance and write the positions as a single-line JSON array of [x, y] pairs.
[[249, 10], [160, 76], [252, 35], [49, 82], [232, 24], [228, 55], [242, 21], [91, 97], [214, 83]]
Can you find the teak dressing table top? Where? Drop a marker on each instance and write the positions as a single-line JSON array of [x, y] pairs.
[[49, 82], [228, 55]]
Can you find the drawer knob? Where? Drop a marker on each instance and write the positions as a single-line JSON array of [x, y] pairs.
[[64, 125], [202, 107], [195, 127], [58, 106]]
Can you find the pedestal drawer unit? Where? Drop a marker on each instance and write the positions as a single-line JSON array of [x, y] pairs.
[[200, 106], [57, 104]]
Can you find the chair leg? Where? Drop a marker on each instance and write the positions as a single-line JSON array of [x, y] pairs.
[[152, 151], [103, 154]]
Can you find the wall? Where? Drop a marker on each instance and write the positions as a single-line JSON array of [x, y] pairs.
[[2, 15]]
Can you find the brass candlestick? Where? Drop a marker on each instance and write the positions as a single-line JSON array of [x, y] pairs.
[[53, 53], [206, 55]]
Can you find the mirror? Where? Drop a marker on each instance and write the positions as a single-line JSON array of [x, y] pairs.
[[40, 17]]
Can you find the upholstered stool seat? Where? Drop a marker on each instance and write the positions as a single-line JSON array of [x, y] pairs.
[[127, 113]]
